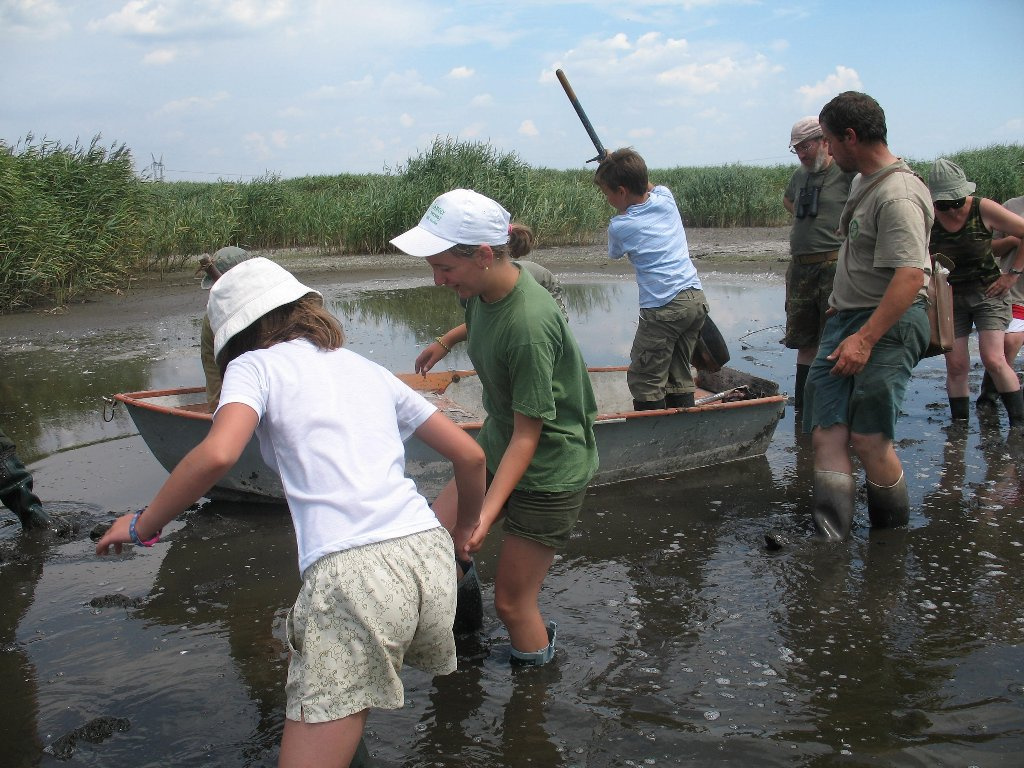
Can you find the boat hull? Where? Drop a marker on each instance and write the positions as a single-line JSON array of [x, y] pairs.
[[631, 444]]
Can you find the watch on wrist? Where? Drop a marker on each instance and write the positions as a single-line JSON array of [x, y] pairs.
[[1013, 271]]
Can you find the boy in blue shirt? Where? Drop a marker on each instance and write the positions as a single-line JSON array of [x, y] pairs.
[[649, 231]]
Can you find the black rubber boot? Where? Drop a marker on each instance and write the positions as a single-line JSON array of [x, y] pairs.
[[469, 605], [801, 382], [1014, 403], [679, 400], [649, 405], [988, 396], [960, 408], [833, 504], [16, 493], [889, 506]]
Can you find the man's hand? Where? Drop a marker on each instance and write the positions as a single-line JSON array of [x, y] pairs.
[[851, 355]]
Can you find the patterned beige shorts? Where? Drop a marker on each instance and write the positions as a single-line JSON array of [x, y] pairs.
[[360, 614]]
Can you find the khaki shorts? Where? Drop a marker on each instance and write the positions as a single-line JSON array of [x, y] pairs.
[[973, 309], [362, 613]]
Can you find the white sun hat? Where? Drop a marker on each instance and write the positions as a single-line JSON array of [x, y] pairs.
[[247, 292], [459, 217]]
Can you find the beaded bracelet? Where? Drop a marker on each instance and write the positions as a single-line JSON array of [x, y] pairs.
[[135, 535], [441, 342]]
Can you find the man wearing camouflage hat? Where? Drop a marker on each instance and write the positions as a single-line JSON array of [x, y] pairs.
[[815, 197]]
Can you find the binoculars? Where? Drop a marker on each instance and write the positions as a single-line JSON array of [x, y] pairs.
[[807, 202]]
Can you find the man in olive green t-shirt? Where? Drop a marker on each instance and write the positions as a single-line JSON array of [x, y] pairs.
[[878, 328]]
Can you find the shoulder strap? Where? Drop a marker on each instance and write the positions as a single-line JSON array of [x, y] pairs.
[[844, 221]]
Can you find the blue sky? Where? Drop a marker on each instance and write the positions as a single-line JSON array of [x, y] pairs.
[[239, 88]]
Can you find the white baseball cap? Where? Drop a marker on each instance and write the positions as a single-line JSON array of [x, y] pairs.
[[459, 217], [246, 293]]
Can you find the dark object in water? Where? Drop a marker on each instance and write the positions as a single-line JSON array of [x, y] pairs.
[[96, 731]]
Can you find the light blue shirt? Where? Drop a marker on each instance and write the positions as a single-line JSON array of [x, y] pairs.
[[651, 235]]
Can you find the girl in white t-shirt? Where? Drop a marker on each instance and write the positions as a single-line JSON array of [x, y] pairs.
[[378, 587]]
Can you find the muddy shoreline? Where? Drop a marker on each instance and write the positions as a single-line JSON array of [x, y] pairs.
[[151, 295]]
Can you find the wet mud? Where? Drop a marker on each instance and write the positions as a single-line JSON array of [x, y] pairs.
[[683, 638]]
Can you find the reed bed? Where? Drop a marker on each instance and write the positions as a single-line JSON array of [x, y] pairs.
[[77, 218]]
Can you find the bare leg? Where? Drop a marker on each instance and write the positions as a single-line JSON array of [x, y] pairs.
[[522, 567], [325, 745], [876, 452], [831, 448], [993, 357]]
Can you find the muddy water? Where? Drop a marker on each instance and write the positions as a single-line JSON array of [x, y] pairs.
[[682, 639]]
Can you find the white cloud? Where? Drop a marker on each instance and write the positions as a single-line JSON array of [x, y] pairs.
[[39, 19], [843, 79], [408, 83], [482, 100], [473, 131], [461, 73], [527, 128], [406, 120], [168, 18], [160, 57], [191, 104]]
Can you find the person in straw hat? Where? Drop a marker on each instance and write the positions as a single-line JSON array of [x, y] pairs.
[[981, 290], [377, 584]]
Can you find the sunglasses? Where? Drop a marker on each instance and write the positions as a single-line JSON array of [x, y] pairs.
[[948, 205]]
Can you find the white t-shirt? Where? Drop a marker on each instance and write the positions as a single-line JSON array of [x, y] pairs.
[[333, 426]]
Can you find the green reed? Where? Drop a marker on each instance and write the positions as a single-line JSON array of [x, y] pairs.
[[77, 218]]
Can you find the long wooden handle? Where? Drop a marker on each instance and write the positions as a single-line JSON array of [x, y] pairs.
[[601, 151]]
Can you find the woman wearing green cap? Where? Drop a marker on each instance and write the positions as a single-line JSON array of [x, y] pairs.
[[981, 291]]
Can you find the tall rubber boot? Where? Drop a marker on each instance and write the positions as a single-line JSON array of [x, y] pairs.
[[1014, 403], [833, 504], [649, 405], [537, 658], [469, 605], [16, 493], [801, 382], [988, 396], [679, 400], [960, 408], [889, 505]]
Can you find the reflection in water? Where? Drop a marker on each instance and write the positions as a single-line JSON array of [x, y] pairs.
[[681, 639]]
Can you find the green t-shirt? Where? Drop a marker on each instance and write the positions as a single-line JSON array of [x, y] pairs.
[[818, 234], [529, 363]]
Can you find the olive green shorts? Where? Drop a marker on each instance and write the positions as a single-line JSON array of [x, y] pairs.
[[360, 614], [547, 518]]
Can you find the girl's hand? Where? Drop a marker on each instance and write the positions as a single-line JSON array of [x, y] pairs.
[[476, 541], [429, 357], [463, 536], [116, 535]]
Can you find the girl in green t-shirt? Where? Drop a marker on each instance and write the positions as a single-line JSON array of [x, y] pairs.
[[538, 436]]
